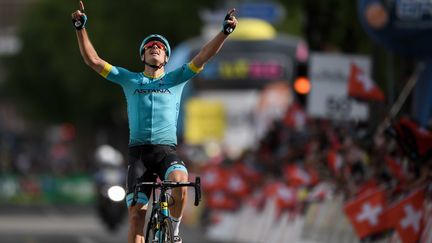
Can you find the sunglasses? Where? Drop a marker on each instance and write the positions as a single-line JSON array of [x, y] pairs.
[[158, 44]]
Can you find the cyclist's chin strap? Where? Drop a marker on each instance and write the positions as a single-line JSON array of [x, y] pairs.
[[155, 66]]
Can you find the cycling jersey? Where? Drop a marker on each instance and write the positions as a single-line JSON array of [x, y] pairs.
[[153, 103]]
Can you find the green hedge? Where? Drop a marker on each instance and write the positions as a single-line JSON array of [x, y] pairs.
[[74, 189]]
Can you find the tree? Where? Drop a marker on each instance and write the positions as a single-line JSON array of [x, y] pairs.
[[327, 25], [48, 79]]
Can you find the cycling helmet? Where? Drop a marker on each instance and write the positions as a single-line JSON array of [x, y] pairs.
[[155, 37]]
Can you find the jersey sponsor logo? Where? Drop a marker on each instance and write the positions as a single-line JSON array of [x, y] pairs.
[[164, 205], [149, 91]]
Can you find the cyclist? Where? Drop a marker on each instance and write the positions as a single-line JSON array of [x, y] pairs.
[[153, 100]]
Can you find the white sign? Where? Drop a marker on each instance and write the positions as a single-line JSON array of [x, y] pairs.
[[329, 74]]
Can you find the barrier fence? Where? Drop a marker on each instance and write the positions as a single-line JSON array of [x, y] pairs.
[[321, 222]]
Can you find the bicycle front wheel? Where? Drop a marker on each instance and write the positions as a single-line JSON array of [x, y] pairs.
[[163, 233]]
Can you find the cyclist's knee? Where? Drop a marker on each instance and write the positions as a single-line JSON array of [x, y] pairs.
[[178, 176], [176, 172]]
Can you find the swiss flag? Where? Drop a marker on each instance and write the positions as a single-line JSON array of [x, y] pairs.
[[406, 216], [236, 185], [366, 213], [213, 178], [320, 192], [298, 176], [361, 86], [415, 140], [285, 196]]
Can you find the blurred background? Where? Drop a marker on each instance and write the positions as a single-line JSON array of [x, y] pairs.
[[312, 110]]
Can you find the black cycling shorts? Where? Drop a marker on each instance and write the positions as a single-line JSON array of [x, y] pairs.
[[146, 163]]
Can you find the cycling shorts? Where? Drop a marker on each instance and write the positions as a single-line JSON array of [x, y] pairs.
[[146, 163]]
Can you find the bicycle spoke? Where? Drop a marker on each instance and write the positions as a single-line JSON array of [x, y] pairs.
[[167, 231]]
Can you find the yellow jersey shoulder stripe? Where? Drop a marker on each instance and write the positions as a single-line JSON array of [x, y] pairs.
[[106, 70], [194, 68]]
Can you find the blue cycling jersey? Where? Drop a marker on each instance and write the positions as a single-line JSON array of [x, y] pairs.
[[153, 103]]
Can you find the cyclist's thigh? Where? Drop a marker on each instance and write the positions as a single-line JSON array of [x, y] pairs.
[[138, 172], [170, 163]]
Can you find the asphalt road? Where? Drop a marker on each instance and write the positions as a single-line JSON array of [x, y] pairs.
[[67, 225]]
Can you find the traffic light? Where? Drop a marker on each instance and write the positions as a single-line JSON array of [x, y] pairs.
[[302, 84]]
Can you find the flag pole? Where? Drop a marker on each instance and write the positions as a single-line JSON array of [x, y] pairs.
[[394, 110]]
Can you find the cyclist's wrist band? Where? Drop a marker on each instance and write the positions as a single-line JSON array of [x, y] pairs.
[[226, 28], [80, 23]]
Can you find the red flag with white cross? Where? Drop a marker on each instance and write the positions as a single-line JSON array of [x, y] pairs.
[[236, 184], [366, 213], [296, 175], [406, 216], [284, 195], [220, 200], [214, 178], [361, 86]]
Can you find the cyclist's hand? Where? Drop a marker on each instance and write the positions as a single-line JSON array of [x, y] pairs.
[[79, 18], [230, 22]]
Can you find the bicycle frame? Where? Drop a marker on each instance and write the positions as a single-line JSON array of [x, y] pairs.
[[160, 215]]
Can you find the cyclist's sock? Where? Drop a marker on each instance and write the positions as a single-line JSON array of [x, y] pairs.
[[176, 225]]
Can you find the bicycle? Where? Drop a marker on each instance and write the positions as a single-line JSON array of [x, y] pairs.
[[159, 227]]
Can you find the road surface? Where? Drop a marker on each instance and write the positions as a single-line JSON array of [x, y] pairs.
[[67, 225]]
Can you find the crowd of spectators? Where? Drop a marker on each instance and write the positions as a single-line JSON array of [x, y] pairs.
[[300, 161], [29, 150]]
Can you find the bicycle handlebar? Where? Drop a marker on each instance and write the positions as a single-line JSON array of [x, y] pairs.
[[171, 184]]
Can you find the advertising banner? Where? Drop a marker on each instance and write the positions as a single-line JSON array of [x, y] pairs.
[[76, 189], [250, 64], [329, 74], [225, 115], [205, 121], [404, 26]]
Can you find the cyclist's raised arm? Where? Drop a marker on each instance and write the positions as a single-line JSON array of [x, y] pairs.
[[89, 54], [214, 45]]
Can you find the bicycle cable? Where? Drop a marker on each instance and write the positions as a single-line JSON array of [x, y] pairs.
[[171, 200]]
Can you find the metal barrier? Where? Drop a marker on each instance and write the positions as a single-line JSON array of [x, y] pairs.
[[323, 222]]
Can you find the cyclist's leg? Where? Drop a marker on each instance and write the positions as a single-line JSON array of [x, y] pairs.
[[180, 197], [137, 210], [174, 169], [179, 194], [136, 223]]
